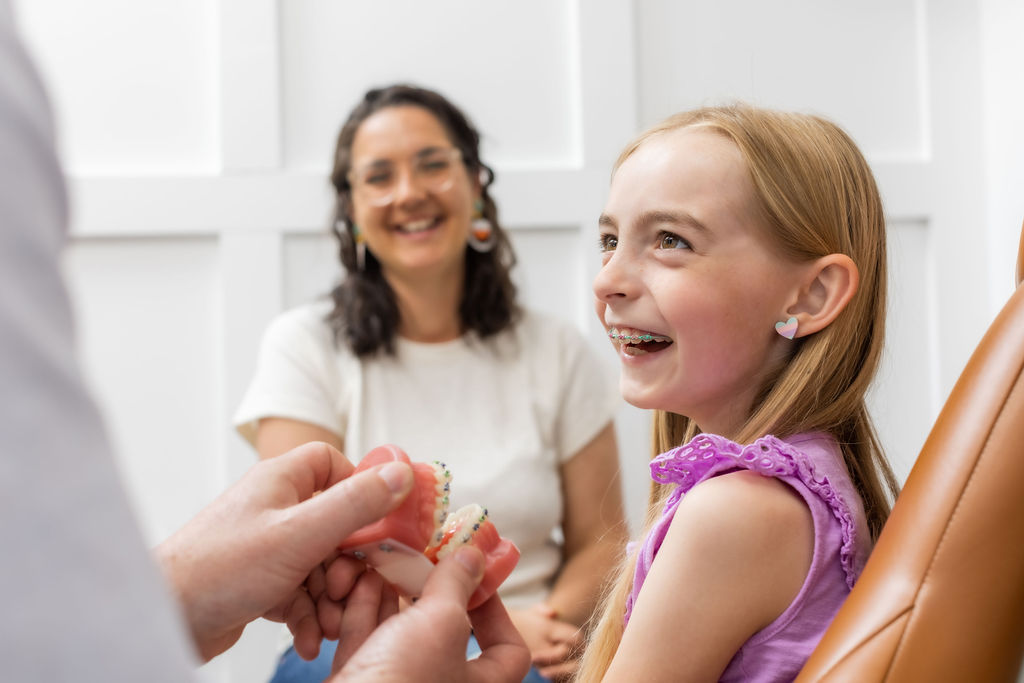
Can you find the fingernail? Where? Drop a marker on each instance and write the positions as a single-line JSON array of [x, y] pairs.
[[470, 558], [396, 475]]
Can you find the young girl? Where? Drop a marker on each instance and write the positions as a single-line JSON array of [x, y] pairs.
[[743, 286]]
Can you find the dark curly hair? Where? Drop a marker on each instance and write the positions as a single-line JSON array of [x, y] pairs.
[[365, 314]]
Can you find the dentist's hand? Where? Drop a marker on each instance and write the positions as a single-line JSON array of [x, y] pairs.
[[427, 641], [267, 546]]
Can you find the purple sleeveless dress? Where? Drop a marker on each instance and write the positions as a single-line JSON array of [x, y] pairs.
[[812, 464]]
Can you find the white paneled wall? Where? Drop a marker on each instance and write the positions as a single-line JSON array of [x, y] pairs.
[[841, 59], [134, 83], [198, 133], [149, 334], [1003, 106], [513, 66]]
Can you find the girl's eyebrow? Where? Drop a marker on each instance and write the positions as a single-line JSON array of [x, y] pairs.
[[680, 218]]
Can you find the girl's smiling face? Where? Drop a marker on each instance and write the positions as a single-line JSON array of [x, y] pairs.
[[689, 272]]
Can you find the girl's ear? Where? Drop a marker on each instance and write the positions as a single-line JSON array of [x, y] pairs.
[[829, 284]]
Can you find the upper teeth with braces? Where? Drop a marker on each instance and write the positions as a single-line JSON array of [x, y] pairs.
[[615, 335]]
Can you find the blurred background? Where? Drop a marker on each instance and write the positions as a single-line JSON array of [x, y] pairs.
[[197, 136]]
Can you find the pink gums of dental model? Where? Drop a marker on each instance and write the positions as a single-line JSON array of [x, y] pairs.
[[404, 546]]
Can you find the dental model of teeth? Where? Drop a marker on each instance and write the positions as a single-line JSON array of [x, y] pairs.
[[404, 546]]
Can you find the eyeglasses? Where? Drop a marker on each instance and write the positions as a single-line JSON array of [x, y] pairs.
[[432, 169]]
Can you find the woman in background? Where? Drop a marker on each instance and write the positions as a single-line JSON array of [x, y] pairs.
[[423, 345]]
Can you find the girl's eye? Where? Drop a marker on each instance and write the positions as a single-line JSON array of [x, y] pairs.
[[607, 242], [670, 241]]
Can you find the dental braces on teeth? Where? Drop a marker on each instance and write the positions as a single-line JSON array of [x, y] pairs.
[[615, 335], [443, 477]]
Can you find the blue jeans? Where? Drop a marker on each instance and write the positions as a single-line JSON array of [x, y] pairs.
[[292, 668]]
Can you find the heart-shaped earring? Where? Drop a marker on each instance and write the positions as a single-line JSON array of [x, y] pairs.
[[786, 329]]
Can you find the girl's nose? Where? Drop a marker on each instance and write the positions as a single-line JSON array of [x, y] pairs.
[[616, 280]]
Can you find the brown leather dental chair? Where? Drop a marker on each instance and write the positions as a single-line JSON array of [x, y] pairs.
[[942, 595]]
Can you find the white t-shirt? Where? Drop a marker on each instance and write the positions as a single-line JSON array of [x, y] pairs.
[[503, 414]]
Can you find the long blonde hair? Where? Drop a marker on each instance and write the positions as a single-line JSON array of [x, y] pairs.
[[817, 197]]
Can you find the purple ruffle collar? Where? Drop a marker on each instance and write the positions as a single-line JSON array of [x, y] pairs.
[[709, 454], [691, 463]]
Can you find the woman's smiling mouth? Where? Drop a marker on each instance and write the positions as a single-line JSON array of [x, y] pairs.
[[413, 227]]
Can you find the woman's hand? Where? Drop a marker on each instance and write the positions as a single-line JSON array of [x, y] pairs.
[[554, 644]]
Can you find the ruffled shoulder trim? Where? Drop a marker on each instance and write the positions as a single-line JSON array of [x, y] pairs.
[[709, 454]]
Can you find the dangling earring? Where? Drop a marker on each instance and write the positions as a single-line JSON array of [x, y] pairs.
[[482, 237], [786, 329], [360, 241]]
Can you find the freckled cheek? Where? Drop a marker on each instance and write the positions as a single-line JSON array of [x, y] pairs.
[[706, 356], [716, 335], [741, 320], [731, 345], [740, 312]]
